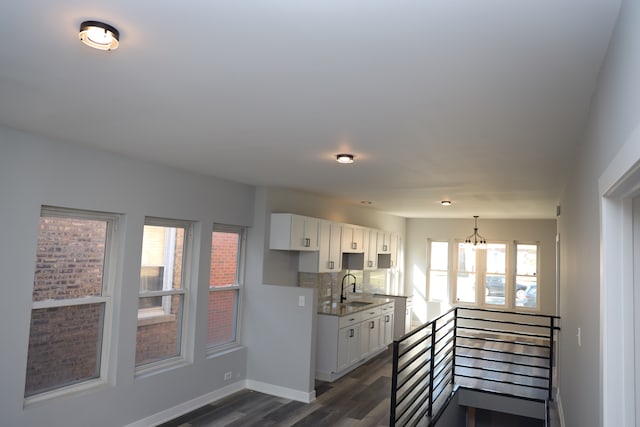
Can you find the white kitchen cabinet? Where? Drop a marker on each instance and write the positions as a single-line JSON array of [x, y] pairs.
[[370, 249], [293, 232], [388, 258], [371, 334], [352, 239], [346, 342], [408, 315], [384, 242], [348, 346], [328, 258], [394, 243], [386, 319]]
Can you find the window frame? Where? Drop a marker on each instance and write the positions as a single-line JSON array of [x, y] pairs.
[[109, 268], [448, 271], [481, 273], [237, 286], [185, 291], [508, 282], [515, 275]]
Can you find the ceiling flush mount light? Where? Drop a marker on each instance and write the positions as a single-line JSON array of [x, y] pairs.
[[366, 202], [345, 158], [446, 203], [476, 239], [99, 35]]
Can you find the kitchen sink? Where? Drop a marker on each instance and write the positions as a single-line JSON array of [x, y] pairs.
[[358, 303]]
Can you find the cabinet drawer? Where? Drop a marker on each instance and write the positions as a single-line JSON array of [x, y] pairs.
[[350, 319], [370, 313], [387, 308]]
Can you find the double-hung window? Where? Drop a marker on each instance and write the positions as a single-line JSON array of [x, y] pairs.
[[495, 277], [438, 271], [224, 285], [526, 277], [466, 273], [163, 287], [71, 300]]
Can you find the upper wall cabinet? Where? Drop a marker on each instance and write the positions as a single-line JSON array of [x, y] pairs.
[[328, 258], [293, 232], [384, 242], [352, 239], [370, 249]]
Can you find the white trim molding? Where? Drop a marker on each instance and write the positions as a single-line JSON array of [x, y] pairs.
[[285, 392], [186, 407], [617, 185]]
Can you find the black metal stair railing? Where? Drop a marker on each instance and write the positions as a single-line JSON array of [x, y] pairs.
[[493, 350]]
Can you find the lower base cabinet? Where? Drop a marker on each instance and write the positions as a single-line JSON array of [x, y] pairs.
[[346, 342]]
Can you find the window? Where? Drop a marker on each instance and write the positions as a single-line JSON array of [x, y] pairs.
[[466, 273], [162, 290], [438, 271], [495, 274], [224, 285], [526, 279], [71, 299]]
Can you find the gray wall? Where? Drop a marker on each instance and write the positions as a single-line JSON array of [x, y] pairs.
[[34, 172], [526, 231], [615, 113]]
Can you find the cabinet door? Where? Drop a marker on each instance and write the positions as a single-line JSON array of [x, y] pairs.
[[370, 249], [407, 319], [352, 239], [393, 245], [348, 346], [387, 320], [334, 256], [384, 242], [304, 233], [370, 339], [293, 232]]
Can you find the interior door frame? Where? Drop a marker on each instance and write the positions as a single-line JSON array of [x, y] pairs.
[[619, 183]]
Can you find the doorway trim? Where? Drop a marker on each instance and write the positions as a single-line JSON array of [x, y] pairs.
[[619, 183]]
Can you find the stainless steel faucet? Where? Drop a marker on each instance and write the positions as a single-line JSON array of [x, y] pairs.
[[343, 297]]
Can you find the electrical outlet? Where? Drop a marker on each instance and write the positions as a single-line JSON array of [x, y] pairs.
[[227, 376]]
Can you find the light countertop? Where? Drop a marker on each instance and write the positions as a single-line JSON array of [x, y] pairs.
[[334, 308]]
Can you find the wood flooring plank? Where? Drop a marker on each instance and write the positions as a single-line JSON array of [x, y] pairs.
[[359, 399]]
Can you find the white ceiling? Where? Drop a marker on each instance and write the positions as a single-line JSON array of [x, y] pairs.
[[480, 102]]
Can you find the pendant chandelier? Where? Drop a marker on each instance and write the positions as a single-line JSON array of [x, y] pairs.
[[475, 239]]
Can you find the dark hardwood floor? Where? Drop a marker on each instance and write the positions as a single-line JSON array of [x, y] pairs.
[[360, 398]]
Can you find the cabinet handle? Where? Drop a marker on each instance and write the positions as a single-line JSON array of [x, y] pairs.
[[330, 265], [369, 263], [384, 248], [354, 245], [307, 242], [387, 319], [372, 324], [351, 333]]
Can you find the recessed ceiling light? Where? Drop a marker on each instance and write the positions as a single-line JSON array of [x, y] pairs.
[[366, 202], [344, 158], [446, 203], [99, 35]]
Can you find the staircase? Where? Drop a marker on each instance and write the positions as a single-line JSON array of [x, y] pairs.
[[472, 359]]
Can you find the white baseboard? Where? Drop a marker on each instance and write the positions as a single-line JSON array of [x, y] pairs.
[[205, 399], [559, 404], [186, 407], [287, 393]]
